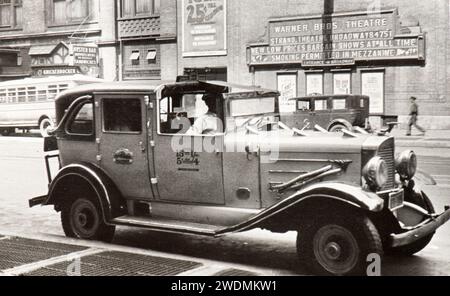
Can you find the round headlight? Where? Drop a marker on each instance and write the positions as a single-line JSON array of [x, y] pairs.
[[376, 173], [406, 164]]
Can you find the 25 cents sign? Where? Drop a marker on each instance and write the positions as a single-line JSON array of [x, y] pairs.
[[204, 27]]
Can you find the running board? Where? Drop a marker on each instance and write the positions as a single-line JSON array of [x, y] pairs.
[[168, 225]]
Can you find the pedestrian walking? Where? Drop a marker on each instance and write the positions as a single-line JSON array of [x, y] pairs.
[[413, 117]]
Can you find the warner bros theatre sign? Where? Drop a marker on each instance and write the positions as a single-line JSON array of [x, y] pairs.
[[338, 39]]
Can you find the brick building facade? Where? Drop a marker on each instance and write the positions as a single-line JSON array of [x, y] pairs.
[[415, 60], [45, 32]]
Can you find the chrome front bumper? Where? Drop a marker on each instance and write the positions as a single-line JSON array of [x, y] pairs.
[[426, 228]]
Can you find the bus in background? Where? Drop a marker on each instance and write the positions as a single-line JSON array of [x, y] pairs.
[[29, 103]]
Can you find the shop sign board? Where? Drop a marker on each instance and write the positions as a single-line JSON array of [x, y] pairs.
[[84, 55], [338, 39], [55, 71], [204, 27]]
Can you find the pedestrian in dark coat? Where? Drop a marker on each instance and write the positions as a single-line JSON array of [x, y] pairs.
[[413, 117]]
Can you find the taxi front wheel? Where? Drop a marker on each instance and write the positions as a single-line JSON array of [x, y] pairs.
[[338, 245], [81, 218]]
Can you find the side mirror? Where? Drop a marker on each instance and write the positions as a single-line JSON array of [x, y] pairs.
[[50, 144]]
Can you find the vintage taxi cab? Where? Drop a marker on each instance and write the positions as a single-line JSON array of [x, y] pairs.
[[129, 156], [334, 112]]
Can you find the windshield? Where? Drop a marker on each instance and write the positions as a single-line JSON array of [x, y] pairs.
[[252, 106], [256, 113]]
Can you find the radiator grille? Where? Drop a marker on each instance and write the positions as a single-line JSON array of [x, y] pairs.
[[387, 154]]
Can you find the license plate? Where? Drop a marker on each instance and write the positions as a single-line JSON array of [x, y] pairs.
[[396, 200]]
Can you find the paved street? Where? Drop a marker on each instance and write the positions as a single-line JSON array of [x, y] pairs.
[[259, 252]]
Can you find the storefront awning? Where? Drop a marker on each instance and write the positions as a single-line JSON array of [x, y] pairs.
[[135, 55], [8, 50], [151, 55], [42, 50]]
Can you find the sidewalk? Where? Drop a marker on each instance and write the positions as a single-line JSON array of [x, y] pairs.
[[54, 256], [432, 139]]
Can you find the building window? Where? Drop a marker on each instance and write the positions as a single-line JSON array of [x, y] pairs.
[[10, 13], [133, 8], [79, 9], [135, 57], [287, 86], [314, 84], [342, 83], [71, 11], [373, 87], [151, 56]]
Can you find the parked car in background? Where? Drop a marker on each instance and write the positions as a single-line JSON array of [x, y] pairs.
[[334, 112], [29, 103], [127, 158]]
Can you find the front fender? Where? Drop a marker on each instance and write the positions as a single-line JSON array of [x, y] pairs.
[[109, 197], [347, 194], [422, 178]]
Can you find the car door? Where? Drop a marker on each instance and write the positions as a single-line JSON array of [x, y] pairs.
[[188, 167], [123, 143], [321, 112], [304, 116]]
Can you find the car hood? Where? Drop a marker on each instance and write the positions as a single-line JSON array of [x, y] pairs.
[[286, 141]]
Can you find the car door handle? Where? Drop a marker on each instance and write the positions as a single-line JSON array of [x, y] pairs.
[[123, 156]]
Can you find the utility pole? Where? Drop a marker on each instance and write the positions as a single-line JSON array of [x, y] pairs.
[[328, 7], [327, 29]]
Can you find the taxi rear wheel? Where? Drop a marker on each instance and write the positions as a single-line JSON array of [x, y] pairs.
[[338, 246], [337, 128], [82, 219]]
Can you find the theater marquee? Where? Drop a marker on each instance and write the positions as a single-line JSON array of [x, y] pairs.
[[338, 39]]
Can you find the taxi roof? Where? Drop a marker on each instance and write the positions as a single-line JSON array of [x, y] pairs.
[[116, 86], [168, 87]]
